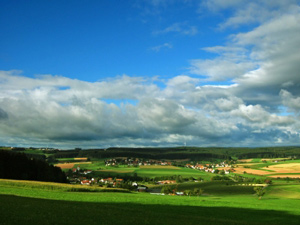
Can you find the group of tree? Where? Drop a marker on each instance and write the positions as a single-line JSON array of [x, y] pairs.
[[172, 189], [14, 165]]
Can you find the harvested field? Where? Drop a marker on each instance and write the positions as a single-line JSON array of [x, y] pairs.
[[274, 159], [81, 159], [160, 167], [79, 163], [241, 170], [286, 168], [247, 164], [245, 160], [65, 165], [116, 171], [285, 176]]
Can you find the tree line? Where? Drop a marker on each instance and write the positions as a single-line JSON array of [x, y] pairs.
[[20, 166]]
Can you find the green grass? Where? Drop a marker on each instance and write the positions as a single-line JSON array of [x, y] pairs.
[[22, 210], [34, 205]]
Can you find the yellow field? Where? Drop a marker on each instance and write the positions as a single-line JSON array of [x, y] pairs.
[[117, 171], [160, 167], [70, 165], [82, 159], [286, 168], [274, 159], [241, 170], [65, 165], [79, 163], [285, 176], [244, 160]]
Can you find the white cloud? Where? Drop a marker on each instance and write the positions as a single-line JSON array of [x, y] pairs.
[[261, 65], [182, 28], [68, 112], [292, 102], [250, 12], [220, 69], [160, 47]]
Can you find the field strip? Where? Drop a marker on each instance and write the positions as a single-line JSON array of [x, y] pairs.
[[65, 165], [160, 167], [285, 176], [274, 159], [252, 171], [83, 159], [116, 171], [245, 160], [286, 168]]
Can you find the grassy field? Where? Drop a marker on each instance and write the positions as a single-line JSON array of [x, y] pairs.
[[34, 204], [227, 202]]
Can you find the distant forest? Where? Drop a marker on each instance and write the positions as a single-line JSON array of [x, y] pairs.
[[20, 166], [193, 153]]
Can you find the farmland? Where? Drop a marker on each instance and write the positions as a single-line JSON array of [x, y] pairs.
[[108, 197], [219, 206]]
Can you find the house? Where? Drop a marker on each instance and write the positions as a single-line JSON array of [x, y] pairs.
[[167, 182], [142, 188], [107, 181], [87, 171], [85, 182]]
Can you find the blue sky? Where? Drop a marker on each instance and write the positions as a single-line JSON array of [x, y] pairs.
[[149, 73], [92, 40]]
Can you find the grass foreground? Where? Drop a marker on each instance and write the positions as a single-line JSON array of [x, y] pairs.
[[32, 203]]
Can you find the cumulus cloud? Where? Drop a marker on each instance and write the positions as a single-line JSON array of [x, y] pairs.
[[160, 47], [292, 102], [252, 12], [182, 28], [220, 69], [261, 61], [66, 112], [239, 101]]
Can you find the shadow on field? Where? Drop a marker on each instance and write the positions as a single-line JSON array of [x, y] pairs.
[[23, 210]]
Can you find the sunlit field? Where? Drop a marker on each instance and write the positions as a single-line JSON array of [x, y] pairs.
[[221, 204]]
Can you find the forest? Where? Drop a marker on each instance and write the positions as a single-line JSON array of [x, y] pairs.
[[20, 166]]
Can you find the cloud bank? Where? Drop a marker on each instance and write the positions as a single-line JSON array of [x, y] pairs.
[[247, 95]]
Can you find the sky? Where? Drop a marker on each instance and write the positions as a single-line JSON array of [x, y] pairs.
[[147, 73]]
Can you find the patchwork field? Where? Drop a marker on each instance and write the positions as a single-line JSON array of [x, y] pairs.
[[65, 165], [270, 168], [286, 168], [70, 165], [285, 176], [222, 204], [241, 170], [117, 171], [81, 159], [160, 167]]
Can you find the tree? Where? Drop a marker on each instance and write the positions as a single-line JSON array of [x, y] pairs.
[[198, 191], [216, 171], [188, 192], [259, 191], [179, 179], [166, 190]]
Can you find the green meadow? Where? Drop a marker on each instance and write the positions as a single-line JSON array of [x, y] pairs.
[[36, 203]]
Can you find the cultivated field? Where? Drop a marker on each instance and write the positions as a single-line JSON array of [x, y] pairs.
[[286, 168], [32, 203], [81, 159], [65, 165], [160, 167]]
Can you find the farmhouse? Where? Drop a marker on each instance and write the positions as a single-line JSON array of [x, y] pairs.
[[85, 182], [167, 182]]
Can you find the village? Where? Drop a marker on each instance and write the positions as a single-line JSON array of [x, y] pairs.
[[87, 177], [218, 168]]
